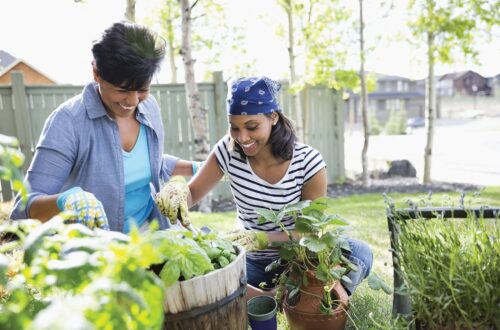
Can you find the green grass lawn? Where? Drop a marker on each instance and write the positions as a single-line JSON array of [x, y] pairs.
[[367, 215]]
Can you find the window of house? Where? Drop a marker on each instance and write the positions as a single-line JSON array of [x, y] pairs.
[[394, 104]]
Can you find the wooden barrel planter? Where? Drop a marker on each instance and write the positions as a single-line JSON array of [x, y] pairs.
[[209, 302]]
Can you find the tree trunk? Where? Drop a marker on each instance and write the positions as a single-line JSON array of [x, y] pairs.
[[171, 51], [364, 98], [296, 105], [130, 11], [197, 112], [431, 108]]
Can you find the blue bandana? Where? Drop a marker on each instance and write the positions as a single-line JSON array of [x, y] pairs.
[[253, 96]]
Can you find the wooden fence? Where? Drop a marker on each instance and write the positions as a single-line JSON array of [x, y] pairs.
[[23, 110]]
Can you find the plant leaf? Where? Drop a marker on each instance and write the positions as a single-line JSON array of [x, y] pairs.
[[376, 283], [303, 225], [322, 273], [335, 220], [170, 273], [287, 252], [266, 215], [314, 244]]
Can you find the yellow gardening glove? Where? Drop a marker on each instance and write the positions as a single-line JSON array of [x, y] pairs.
[[250, 240], [172, 200], [85, 207]]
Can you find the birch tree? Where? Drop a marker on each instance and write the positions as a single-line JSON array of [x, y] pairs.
[[130, 10], [212, 38], [447, 27], [364, 98], [197, 112], [314, 37], [169, 16]]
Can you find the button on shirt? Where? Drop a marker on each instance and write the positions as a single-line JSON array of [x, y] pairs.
[[80, 146]]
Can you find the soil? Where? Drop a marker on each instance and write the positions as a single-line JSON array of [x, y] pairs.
[[384, 185]]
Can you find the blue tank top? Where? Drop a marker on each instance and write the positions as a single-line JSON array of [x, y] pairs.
[[137, 169]]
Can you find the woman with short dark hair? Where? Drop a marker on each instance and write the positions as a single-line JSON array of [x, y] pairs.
[[101, 151]]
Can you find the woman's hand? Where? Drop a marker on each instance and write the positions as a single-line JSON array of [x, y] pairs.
[[85, 208], [250, 240], [172, 200]]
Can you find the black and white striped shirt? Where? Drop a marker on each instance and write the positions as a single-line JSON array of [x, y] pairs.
[[251, 192]]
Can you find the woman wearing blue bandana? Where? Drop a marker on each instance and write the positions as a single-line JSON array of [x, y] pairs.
[[267, 168]]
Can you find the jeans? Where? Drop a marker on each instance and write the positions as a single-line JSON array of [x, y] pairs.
[[361, 255]]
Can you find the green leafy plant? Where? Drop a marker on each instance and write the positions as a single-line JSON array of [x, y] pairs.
[[95, 279], [318, 245], [185, 255], [11, 159], [374, 127], [396, 124], [451, 270]]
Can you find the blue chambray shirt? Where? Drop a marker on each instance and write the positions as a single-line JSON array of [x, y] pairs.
[[80, 146]]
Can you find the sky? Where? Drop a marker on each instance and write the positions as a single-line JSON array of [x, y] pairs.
[[55, 36]]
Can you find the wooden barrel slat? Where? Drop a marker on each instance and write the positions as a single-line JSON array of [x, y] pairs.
[[205, 290]]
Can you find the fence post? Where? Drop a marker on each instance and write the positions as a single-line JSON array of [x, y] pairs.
[[21, 117], [7, 194]]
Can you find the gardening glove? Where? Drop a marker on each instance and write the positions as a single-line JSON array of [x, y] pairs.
[[250, 240], [88, 210], [172, 200]]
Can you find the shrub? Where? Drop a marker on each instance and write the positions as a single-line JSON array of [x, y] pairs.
[[374, 127], [396, 124], [452, 271]]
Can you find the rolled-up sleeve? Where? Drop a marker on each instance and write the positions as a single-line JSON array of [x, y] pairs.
[[167, 166], [52, 162]]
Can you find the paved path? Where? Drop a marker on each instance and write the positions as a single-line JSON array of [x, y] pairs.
[[466, 151]]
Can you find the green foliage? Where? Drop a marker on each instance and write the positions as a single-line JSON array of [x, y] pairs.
[[11, 159], [374, 127], [97, 279], [396, 124], [186, 255], [318, 37], [320, 247], [455, 24], [452, 270], [210, 33]]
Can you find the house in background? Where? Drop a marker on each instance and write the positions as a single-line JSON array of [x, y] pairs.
[[32, 76], [393, 93], [463, 83], [494, 84], [464, 94]]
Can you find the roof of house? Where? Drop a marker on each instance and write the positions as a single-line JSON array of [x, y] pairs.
[[12, 62], [457, 75], [380, 76], [6, 59]]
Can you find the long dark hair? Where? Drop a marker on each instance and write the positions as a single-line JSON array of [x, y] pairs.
[[128, 55], [282, 139]]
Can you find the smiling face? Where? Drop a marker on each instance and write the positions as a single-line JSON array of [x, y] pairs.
[[252, 132], [120, 102]]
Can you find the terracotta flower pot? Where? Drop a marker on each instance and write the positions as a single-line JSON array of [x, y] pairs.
[[306, 314]]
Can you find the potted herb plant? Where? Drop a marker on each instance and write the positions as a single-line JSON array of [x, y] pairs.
[[315, 261]]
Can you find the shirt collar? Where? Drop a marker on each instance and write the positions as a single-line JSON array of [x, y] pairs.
[[93, 103]]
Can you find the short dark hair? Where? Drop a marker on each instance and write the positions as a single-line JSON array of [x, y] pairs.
[[282, 139], [128, 55]]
